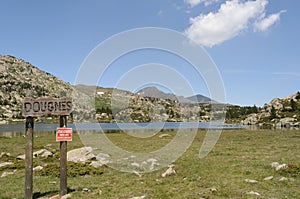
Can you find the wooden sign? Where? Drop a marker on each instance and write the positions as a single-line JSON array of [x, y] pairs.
[[46, 106], [63, 134]]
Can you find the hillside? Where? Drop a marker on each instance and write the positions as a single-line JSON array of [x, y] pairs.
[[17, 77], [92, 103], [279, 112]]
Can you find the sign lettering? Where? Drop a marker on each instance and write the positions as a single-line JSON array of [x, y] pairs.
[[46, 106], [64, 134]]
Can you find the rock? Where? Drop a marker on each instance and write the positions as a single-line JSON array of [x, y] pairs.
[[282, 179], [103, 158], [4, 174], [21, 157], [137, 173], [281, 167], [164, 135], [39, 153], [153, 163], [86, 190], [138, 197], [135, 164], [5, 164], [3, 154], [251, 181], [169, 171], [44, 153], [274, 164], [47, 154], [268, 178], [251, 119], [83, 154], [253, 193], [213, 189], [286, 122], [63, 197], [37, 168], [96, 164]]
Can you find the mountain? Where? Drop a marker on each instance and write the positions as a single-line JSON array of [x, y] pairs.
[[17, 77], [200, 99], [156, 93]]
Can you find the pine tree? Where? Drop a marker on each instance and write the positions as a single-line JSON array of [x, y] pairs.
[[273, 113]]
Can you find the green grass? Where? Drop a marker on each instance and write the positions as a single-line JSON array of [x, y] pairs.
[[238, 155]]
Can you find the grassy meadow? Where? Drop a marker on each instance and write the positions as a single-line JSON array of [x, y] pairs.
[[237, 156]]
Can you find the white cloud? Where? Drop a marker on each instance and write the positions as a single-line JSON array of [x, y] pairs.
[[193, 2], [265, 23], [196, 2], [230, 20]]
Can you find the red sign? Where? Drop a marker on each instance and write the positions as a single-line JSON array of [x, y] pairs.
[[63, 134]]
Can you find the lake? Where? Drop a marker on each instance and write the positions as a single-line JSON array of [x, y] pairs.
[[43, 128]]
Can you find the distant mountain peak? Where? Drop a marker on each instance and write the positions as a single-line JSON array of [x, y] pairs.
[[153, 91]]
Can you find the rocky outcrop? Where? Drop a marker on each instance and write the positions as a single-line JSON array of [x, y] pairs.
[[83, 155], [279, 112]]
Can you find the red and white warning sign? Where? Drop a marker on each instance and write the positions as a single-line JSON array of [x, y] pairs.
[[64, 134]]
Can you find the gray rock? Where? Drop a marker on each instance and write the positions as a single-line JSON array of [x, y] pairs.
[[37, 168], [4, 154], [21, 157], [138, 197], [282, 179], [5, 164], [44, 153], [274, 164], [251, 181], [251, 119], [96, 164], [164, 135], [268, 178], [253, 193], [281, 167], [4, 174], [83, 154], [47, 154], [169, 171]]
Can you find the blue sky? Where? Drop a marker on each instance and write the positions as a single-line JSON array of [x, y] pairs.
[[254, 44]]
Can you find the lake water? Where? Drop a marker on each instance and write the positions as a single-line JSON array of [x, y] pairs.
[[42, 128]]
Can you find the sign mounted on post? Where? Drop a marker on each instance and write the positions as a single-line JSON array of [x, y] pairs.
[[64, 134], [46, 106]]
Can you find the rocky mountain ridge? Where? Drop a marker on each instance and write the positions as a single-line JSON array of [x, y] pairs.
[[156, 93], [279, 112], [94, 103]]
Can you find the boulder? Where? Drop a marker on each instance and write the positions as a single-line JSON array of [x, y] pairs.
[[44, 153], [37, 168], [268, 178], [169, 171], [103, 158], [281, 167], [83, 154], [251, 181], [3, 164], [251, 119], [253, 193], [4, 174]]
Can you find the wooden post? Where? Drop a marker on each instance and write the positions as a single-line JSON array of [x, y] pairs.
[[63, 156], [29, 124]]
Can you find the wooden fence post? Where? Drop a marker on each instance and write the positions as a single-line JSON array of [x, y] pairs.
[[29, 126], [63, 155]]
